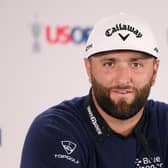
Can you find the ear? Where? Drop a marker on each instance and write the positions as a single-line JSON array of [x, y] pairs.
[[88, 67], [155, 70]]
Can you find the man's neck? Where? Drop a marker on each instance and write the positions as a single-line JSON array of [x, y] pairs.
[[122, 127]]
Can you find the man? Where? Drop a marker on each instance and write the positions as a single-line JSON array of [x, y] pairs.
[[115, 126]]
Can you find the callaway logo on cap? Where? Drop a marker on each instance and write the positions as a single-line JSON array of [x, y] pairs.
[[121, 32]]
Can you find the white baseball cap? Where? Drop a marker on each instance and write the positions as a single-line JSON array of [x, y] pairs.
[[121, 32]]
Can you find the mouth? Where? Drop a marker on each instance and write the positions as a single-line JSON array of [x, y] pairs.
[[122, 92]]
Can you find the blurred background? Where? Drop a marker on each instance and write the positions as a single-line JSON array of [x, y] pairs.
[[41, 58]]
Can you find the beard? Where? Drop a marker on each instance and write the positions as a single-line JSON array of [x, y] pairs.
[[120, 109]]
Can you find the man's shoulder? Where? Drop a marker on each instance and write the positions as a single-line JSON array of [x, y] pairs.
[[58, 136], [68, 116], [161, 108], [65, 109], [157, 114]]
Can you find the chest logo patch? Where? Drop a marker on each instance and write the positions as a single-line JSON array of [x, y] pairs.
[[68, 146], [146, 163]]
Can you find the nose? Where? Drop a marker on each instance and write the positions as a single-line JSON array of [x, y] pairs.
[[123, 75]]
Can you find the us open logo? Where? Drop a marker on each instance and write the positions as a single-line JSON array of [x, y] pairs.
[[57, 34]]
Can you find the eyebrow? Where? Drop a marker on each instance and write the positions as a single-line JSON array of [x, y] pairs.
[[140, 58]]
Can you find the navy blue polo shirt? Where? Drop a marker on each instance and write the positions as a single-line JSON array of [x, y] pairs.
[[74, 135]]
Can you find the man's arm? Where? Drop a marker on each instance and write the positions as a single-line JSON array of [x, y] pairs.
[[50, 145]]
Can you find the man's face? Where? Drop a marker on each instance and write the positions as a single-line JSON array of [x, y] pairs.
[[121, 81]]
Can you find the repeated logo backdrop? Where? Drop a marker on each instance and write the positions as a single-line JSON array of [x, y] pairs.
[[42, 58], [59, 34]]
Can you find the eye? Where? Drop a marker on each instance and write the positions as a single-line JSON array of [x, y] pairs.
[[136, 65], [108, 64]]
